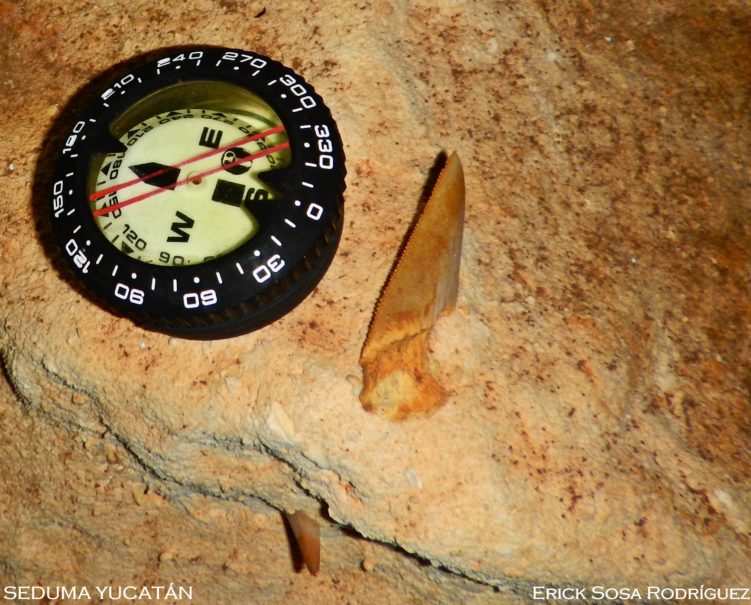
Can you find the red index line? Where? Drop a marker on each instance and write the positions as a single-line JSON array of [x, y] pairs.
[[200, 175], [100, 194]]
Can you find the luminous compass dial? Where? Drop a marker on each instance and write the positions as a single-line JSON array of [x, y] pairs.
[[211, 207], [201, 193]]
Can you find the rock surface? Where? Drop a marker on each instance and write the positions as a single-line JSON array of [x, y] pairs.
[[599, 422]]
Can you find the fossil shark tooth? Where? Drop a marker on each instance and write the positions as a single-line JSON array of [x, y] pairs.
[[397, 379], [308, 537]]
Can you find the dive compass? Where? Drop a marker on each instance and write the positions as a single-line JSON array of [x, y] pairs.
[[201, 193]]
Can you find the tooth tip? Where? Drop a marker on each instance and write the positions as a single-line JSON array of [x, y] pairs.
[[307, 535]]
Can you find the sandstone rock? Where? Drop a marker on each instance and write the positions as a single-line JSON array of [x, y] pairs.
[[598, 426]]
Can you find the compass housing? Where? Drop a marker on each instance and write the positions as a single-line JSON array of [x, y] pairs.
[[228, 207]]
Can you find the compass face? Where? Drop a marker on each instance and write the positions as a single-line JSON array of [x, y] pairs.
[[201, 193], [203, 162]]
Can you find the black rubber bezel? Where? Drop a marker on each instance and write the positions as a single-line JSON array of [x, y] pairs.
[[243, 303]]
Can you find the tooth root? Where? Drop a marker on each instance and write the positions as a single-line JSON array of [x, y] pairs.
[[308, 536]]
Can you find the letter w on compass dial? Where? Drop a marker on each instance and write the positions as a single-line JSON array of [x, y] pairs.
[[181, 186]]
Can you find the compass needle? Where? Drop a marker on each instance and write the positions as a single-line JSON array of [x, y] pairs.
[[155, 177], [174, 220], [101, 193]]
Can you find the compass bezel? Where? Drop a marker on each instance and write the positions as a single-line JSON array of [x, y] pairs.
[[257, 282]]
